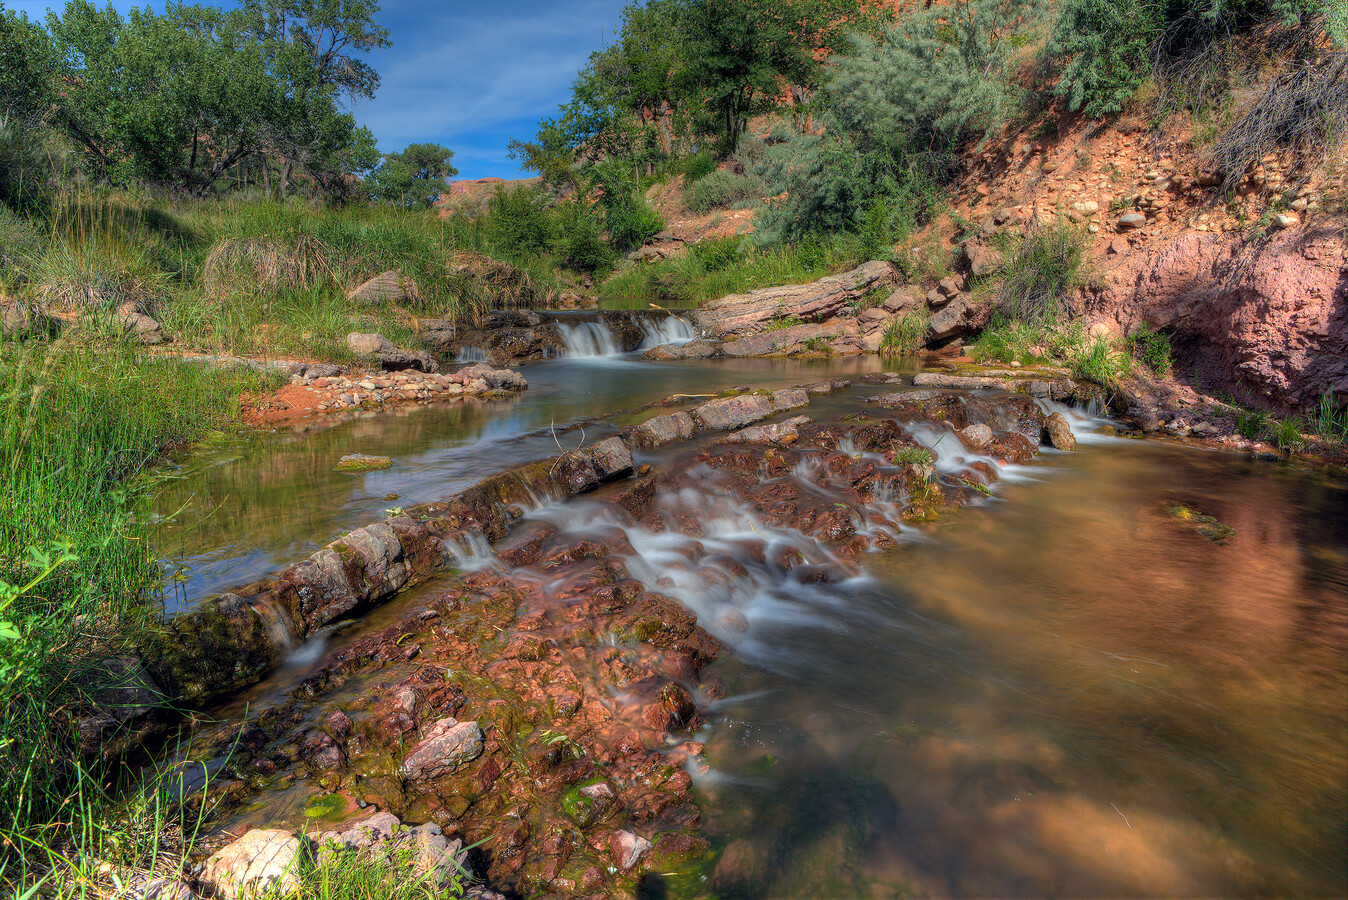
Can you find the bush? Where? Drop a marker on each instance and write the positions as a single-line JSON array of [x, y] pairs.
[[518, 219], [716, 254], [697, 166], [908, 334], [1152, 349], [1100, 48], [1041, 272], [722, 188], [583, 247]]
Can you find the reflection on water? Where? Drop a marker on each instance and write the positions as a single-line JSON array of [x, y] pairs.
[[1065, 693], [249, 507]]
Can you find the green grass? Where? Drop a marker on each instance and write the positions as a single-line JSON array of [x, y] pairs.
[[1328, 421], [79, 425], [1152, 349], [1041, 271], [717, 271], [906, 334]]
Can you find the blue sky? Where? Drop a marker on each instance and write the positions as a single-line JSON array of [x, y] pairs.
[[469, 75]]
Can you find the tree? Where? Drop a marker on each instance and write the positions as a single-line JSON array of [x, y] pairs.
[[176, 98], [312, 51], [741, 56], [27, 63], [415, 177]]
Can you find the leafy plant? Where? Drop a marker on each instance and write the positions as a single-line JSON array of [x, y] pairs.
[[1152, 349], [1041, 272]]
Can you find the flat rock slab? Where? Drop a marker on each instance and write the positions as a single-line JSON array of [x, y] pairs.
[[665, 429], [737, 315], [448, 745], [262, 861]]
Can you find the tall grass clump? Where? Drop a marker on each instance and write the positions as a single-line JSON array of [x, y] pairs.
[[907, 334], [1041, 272], [78, 425]]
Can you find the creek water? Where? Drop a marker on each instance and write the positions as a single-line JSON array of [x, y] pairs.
[[1064, 691]]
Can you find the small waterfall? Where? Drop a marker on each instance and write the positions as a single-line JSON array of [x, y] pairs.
[[281, 628], [471, 550], [470, 354], [669, 329], [587, 340]]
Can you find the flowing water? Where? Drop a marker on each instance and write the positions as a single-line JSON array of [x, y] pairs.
[[1063, 691]]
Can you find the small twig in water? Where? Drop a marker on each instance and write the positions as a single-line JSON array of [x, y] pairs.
[[1125, 818]]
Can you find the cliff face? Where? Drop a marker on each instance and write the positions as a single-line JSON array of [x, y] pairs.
[[1262, 319], [1252, 286]]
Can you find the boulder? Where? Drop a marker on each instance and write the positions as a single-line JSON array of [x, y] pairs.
[[262, 861], [839, 337], [140, 328], [740, 315], [1058, 434], [448, 745], [776, 433], [976, 437], [904, 299], [496, 379], [627, 849], [390, 357], [981, 258], [665, 429], [1131, 220], [386, 287], [729, 413], [955, 319]]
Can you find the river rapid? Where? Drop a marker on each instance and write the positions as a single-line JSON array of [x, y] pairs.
[[1062, 690]]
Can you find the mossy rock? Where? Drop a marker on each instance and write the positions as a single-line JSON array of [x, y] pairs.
[[360, 462], [1210, 528]]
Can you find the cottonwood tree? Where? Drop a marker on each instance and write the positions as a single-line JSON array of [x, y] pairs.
[[415, 177]]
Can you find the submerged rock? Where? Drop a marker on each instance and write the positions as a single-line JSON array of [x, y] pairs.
[[448, 745], [360, 462]]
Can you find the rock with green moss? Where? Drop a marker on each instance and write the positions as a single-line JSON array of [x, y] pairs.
[[360, 462]]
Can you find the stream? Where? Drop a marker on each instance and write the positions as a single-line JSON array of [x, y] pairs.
[[1061, 691]]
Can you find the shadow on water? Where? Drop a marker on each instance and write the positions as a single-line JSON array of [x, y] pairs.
[[1070, 694]]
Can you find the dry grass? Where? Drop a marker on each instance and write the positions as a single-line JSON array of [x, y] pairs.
[[266, 265], [1305, 109], [507, 286]]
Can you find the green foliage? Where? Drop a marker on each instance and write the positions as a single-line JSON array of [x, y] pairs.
[[722, 188], [1041, 272], [1329, 421], [551, 154], [697, 165], [906, 334], [1009, 340], [1253, 423], [1101, 47], [413, 178], [1096, 361], [518, 217], [1287, 434], [1152, 349], [184, 97], [938, 76], [77, 428], [583, 245], [627, 217], [737, 54]]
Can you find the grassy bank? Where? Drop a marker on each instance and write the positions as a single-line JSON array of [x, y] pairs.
[[255, 276], [79, 425]]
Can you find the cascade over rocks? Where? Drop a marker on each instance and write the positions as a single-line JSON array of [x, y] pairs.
[[545, 703]]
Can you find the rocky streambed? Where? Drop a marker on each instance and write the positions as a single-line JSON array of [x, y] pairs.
[[536, 681]]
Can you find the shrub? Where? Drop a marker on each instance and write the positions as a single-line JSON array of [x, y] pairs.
[[716, 254], [1252, 423], [723, 188], [518, 219], [1152, 349], [1100, 48], [697, 166], [583, 247], [1040, 273]]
